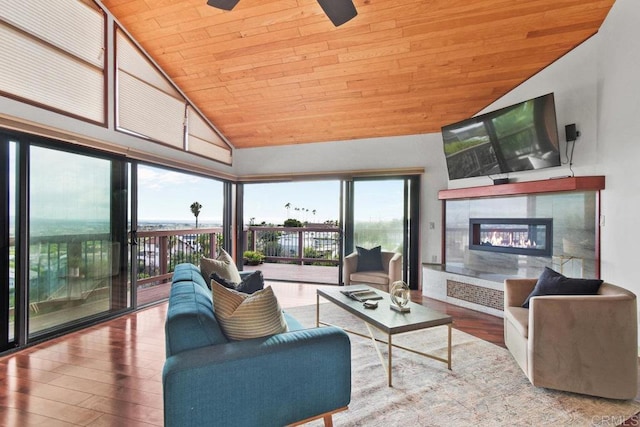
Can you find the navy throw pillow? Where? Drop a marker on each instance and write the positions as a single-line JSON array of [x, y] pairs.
[[250, 282], [369, 259], [551, 282]]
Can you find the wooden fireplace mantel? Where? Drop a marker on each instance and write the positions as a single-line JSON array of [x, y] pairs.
[[577, 183]]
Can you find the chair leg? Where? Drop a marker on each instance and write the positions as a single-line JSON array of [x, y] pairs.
[[327, 417]]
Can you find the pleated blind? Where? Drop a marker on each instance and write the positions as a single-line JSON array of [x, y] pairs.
[[53, 55], [69, 25], [203, 140], [147, 111], [147, 103]]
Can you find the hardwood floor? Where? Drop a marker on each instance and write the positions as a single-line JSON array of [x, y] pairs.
[[110, 374]]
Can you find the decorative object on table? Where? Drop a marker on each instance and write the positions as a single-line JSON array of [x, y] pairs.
[[370, 304], [399, 296], [361, 295]]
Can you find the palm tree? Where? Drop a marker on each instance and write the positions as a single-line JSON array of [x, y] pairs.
[[287, 207], [195, 210]]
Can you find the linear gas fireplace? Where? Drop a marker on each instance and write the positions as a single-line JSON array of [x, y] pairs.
[[522, 236]]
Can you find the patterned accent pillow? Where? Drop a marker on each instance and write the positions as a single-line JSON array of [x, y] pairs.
[[245, 316], [223, 266]]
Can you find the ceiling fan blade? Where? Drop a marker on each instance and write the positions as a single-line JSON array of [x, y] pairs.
[[223, 4], [338, 11]]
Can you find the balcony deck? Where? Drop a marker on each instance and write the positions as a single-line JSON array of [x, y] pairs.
[[326, 275], [303, 275]]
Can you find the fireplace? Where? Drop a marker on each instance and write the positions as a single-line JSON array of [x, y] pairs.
[[521, 236]]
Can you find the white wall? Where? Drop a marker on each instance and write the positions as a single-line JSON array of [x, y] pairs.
[[619, 142], [574, 81], [595, 86], [423, 151]]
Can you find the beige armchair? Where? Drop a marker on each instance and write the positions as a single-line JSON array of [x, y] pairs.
[[579, 343], [391, 262]]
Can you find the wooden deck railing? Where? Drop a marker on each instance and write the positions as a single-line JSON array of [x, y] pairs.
[[319, 245], [58, 259], [159, 251]]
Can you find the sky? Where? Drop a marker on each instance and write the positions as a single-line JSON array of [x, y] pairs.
[[375, 200]]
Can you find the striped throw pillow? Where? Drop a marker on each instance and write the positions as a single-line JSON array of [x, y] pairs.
[[244, 316], [223, 266]]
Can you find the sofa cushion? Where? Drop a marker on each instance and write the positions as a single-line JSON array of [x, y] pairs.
[[370, 277], [250, 282], [519, 318], [244, 316], [191, 322], [551, 282], [187, 272], [369, 259], [223, 266]]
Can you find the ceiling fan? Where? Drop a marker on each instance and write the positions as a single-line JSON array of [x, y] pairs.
[[338, 11]]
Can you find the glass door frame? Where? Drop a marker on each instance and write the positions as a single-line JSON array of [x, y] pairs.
[[5, 245], [410, 221], [119, 179]]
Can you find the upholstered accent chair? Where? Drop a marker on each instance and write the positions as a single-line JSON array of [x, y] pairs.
[[584, 344], [381, 279]]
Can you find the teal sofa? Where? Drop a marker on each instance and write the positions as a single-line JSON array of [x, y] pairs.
[[209, 380]]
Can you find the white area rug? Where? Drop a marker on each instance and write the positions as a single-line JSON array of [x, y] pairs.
[[485, 387]]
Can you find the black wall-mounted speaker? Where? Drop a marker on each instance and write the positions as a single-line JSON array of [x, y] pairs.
[[570, 132], [338, 11], [223, 4]]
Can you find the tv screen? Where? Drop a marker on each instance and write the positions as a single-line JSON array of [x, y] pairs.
[[520, 137]]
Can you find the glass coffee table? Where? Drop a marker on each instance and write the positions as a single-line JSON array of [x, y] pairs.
[[387, 321]]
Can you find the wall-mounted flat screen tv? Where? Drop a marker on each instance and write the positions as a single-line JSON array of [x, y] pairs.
[[520, 137]]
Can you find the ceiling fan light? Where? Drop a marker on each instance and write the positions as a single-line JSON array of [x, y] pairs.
[[338, 11], [223, 4]]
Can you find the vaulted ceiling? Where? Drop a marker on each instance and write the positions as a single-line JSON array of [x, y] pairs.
[[275, 72]]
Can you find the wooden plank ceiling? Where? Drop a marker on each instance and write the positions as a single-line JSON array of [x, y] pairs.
[[275, 72]]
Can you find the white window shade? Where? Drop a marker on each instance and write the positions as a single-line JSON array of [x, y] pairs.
[[203, 140], [132, 61], [39, 73], [145, 110], [68, 25], [207, 149]]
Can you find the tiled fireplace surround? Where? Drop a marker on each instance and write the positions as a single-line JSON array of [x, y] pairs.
[[473, 277]]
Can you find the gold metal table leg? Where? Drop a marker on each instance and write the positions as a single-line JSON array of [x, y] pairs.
[[449, 348], [389, 360], [385, 366]]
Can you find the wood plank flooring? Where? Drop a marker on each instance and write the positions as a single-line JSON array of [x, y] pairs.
[[110, 374]]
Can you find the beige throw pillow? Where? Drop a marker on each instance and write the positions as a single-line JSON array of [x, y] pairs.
[[244, 316], [223, 266]]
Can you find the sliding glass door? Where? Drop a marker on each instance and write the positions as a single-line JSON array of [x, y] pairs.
[[385, 212], [76, 237], [7, 244], [378, 214], [63, 247], [178, 218]]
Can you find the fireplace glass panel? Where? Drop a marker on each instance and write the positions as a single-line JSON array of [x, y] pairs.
[[572, 248], [524, 236]]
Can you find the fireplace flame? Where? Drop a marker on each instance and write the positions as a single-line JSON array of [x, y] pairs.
[[507, 239]]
